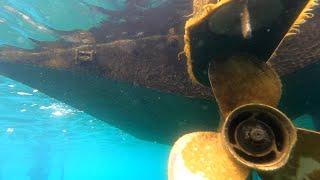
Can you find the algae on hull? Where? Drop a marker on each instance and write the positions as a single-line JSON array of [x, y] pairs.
[[149, 62]]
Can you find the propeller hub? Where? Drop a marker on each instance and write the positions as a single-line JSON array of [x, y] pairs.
[[259, 136], [254, 137]]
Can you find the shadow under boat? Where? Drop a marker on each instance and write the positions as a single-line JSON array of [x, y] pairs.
[[106, 80], [147, 114], [301, 93]]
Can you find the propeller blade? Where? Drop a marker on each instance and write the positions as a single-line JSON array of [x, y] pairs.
[[305, 160], [201, 155], [241, 80], [301, 45]]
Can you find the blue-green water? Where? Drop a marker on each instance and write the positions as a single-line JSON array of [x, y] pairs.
[[42, 138], [21, 22]]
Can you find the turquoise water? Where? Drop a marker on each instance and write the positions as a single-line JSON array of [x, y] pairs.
[[21, 22], [42, 138]]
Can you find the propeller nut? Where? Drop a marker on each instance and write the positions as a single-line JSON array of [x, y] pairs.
[[259, 136], [254, 137]]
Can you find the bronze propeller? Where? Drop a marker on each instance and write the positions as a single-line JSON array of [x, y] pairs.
[[239, 48]]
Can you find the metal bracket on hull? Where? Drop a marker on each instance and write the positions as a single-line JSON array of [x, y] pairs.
[[85, 54]]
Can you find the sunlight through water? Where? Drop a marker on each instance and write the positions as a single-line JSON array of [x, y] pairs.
[[23, 22], [42, 138]]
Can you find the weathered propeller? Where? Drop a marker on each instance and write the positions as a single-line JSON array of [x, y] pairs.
[[254, 134]]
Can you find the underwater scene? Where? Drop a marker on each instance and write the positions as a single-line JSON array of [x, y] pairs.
[[159, 89]]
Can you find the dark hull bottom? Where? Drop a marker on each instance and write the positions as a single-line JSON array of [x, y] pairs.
[[150, 114], [149, 62]]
